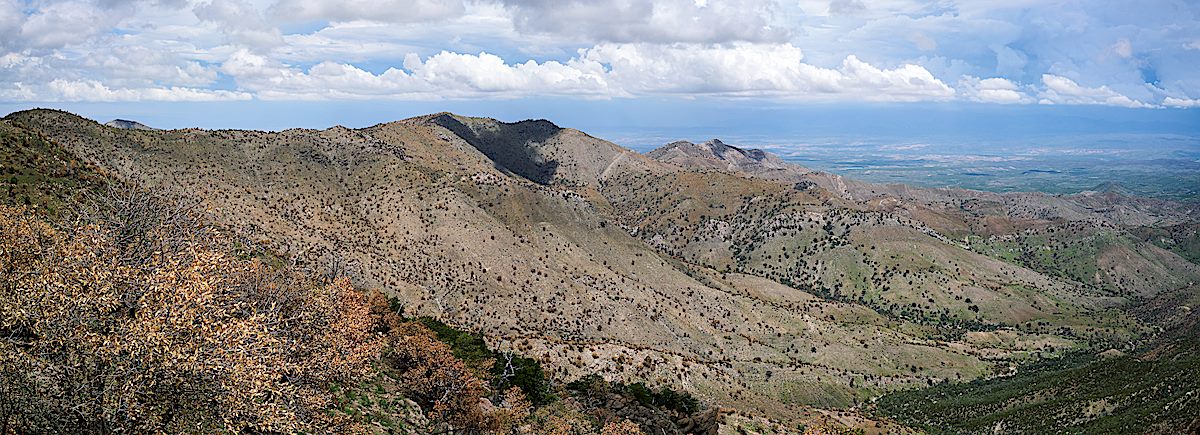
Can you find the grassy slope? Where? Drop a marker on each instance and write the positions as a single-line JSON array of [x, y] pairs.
[[1113, 261], [1183, 240], [1153, 390], [39, 174], [870, 258], [1077, 394]]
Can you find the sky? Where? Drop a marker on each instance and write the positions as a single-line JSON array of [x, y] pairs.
[[634, 69]]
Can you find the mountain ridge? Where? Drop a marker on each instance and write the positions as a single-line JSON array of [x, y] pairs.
[[745, 291], [1121, 207]]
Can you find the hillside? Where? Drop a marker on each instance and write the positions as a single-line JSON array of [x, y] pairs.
[[1078, 238], [1152, 389], [746, 291]]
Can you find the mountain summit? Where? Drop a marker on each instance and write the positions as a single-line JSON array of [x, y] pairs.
[[718, 155], [128, 125], [540, 151]]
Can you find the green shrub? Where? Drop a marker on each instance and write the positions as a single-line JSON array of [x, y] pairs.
[[663, 398], [464, 345], [640, 393], [678, 400], [526, 374]]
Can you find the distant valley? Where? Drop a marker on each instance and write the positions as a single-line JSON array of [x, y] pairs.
[[1160, 166]]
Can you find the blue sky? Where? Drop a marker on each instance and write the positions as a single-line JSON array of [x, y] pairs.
[[634, 70]]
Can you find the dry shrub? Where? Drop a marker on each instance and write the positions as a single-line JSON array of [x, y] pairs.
[[136, 317], [447, 387], [569, 425], [566, 425], [139, 319], [623, 427]]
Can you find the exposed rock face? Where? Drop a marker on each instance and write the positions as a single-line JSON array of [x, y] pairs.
[[717, 155], [128, 125]]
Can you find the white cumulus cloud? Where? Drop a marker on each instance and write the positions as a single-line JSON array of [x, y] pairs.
[[1181, 103], [394, 11], [444, 75], [652, 21], [240, 22], [94, 91], [1020, 51], [757, 69], [606, 70], [992, 90], [1062, 90]]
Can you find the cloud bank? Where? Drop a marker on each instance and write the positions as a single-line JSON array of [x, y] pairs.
[[1013, 52]]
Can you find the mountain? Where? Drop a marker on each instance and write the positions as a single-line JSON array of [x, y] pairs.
[[1107, 202], [1099, 235], [542, 152], [128, 125], [678, 268], [717, 155]]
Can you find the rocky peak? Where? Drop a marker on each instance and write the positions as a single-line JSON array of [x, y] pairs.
[[716, 154], [128, 125]]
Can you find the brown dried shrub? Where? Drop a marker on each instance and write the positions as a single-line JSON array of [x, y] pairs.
[[140, 319]]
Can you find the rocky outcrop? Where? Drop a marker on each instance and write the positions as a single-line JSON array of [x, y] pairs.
[[717, 155], [128, 125]]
